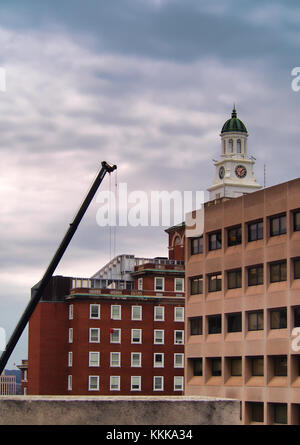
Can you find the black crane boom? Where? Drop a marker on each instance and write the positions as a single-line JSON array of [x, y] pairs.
[[40, 287]]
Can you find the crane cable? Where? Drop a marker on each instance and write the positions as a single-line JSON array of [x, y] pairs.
[[112, 233]]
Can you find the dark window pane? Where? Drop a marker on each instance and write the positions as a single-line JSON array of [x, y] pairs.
[[255, 275], [196, 326], [297, 220], [234, 279], [257, 412], [214, 282], [278, 319], [234, 236], [280, 366], [216, 367], [296, 317], [197, 366], [280, 413], [197, 245], [255, 321], [258, 366], [278, 225], [277, 272], [296, 269], [255, 231], [214, 324], [196, 284], [234, 322], [236, 366], [215, 241]]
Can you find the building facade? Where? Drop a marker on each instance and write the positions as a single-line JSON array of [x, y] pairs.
[[8, 385], [243, 304], [119, 333]]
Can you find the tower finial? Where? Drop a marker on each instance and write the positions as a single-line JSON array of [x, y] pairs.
[[234, 113]]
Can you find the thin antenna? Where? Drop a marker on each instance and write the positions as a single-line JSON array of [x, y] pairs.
[[265, 174]]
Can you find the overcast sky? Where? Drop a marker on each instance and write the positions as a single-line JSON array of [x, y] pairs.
[[144, 84]]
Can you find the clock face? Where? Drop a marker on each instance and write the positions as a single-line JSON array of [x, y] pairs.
[[240, 171], [221, 172]]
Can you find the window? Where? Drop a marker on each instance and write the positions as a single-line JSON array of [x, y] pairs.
[[136, 312], [158, 383], [94, 358], [255, 321], [296, 269], [214, 324], [214, 282], [136, 336], [216, 367], [94, 311], [197, 245], [70, 335], [280, 366], [196, 285], [255, 275], [195, 325], [234, 322], [158, 360], [197, 366], [230, 144], [179, 314], [239, 146], [179, 337], [178, 360], [71, 311], [277, 225], [136, 359], [234, 236], [114, 383], [69, 383], [159, 335], [135, 383], [234, 279], [255, 231], [94, 335], [278, 272], [70, 360], [93, 383], [280, 413], [215, 240], [159, 283], [257, 366], [115, 335], [179, 284], [140, 283], [236, 366], [115, 312], [296, 220], [159, 313], [278, 318], [296, 317], [115, 359], [178, 383], [257, 411]]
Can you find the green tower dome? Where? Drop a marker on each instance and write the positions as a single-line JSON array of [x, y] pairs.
[[234, 124]]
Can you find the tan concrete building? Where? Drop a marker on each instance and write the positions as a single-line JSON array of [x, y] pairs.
[[243, 289], [243, 303]]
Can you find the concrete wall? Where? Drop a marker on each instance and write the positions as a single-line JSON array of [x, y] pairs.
[[123, 410]]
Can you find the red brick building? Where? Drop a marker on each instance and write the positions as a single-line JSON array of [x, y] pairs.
[[125, 337]]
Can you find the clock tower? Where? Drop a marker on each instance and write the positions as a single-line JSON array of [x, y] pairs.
[[234, 171]]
